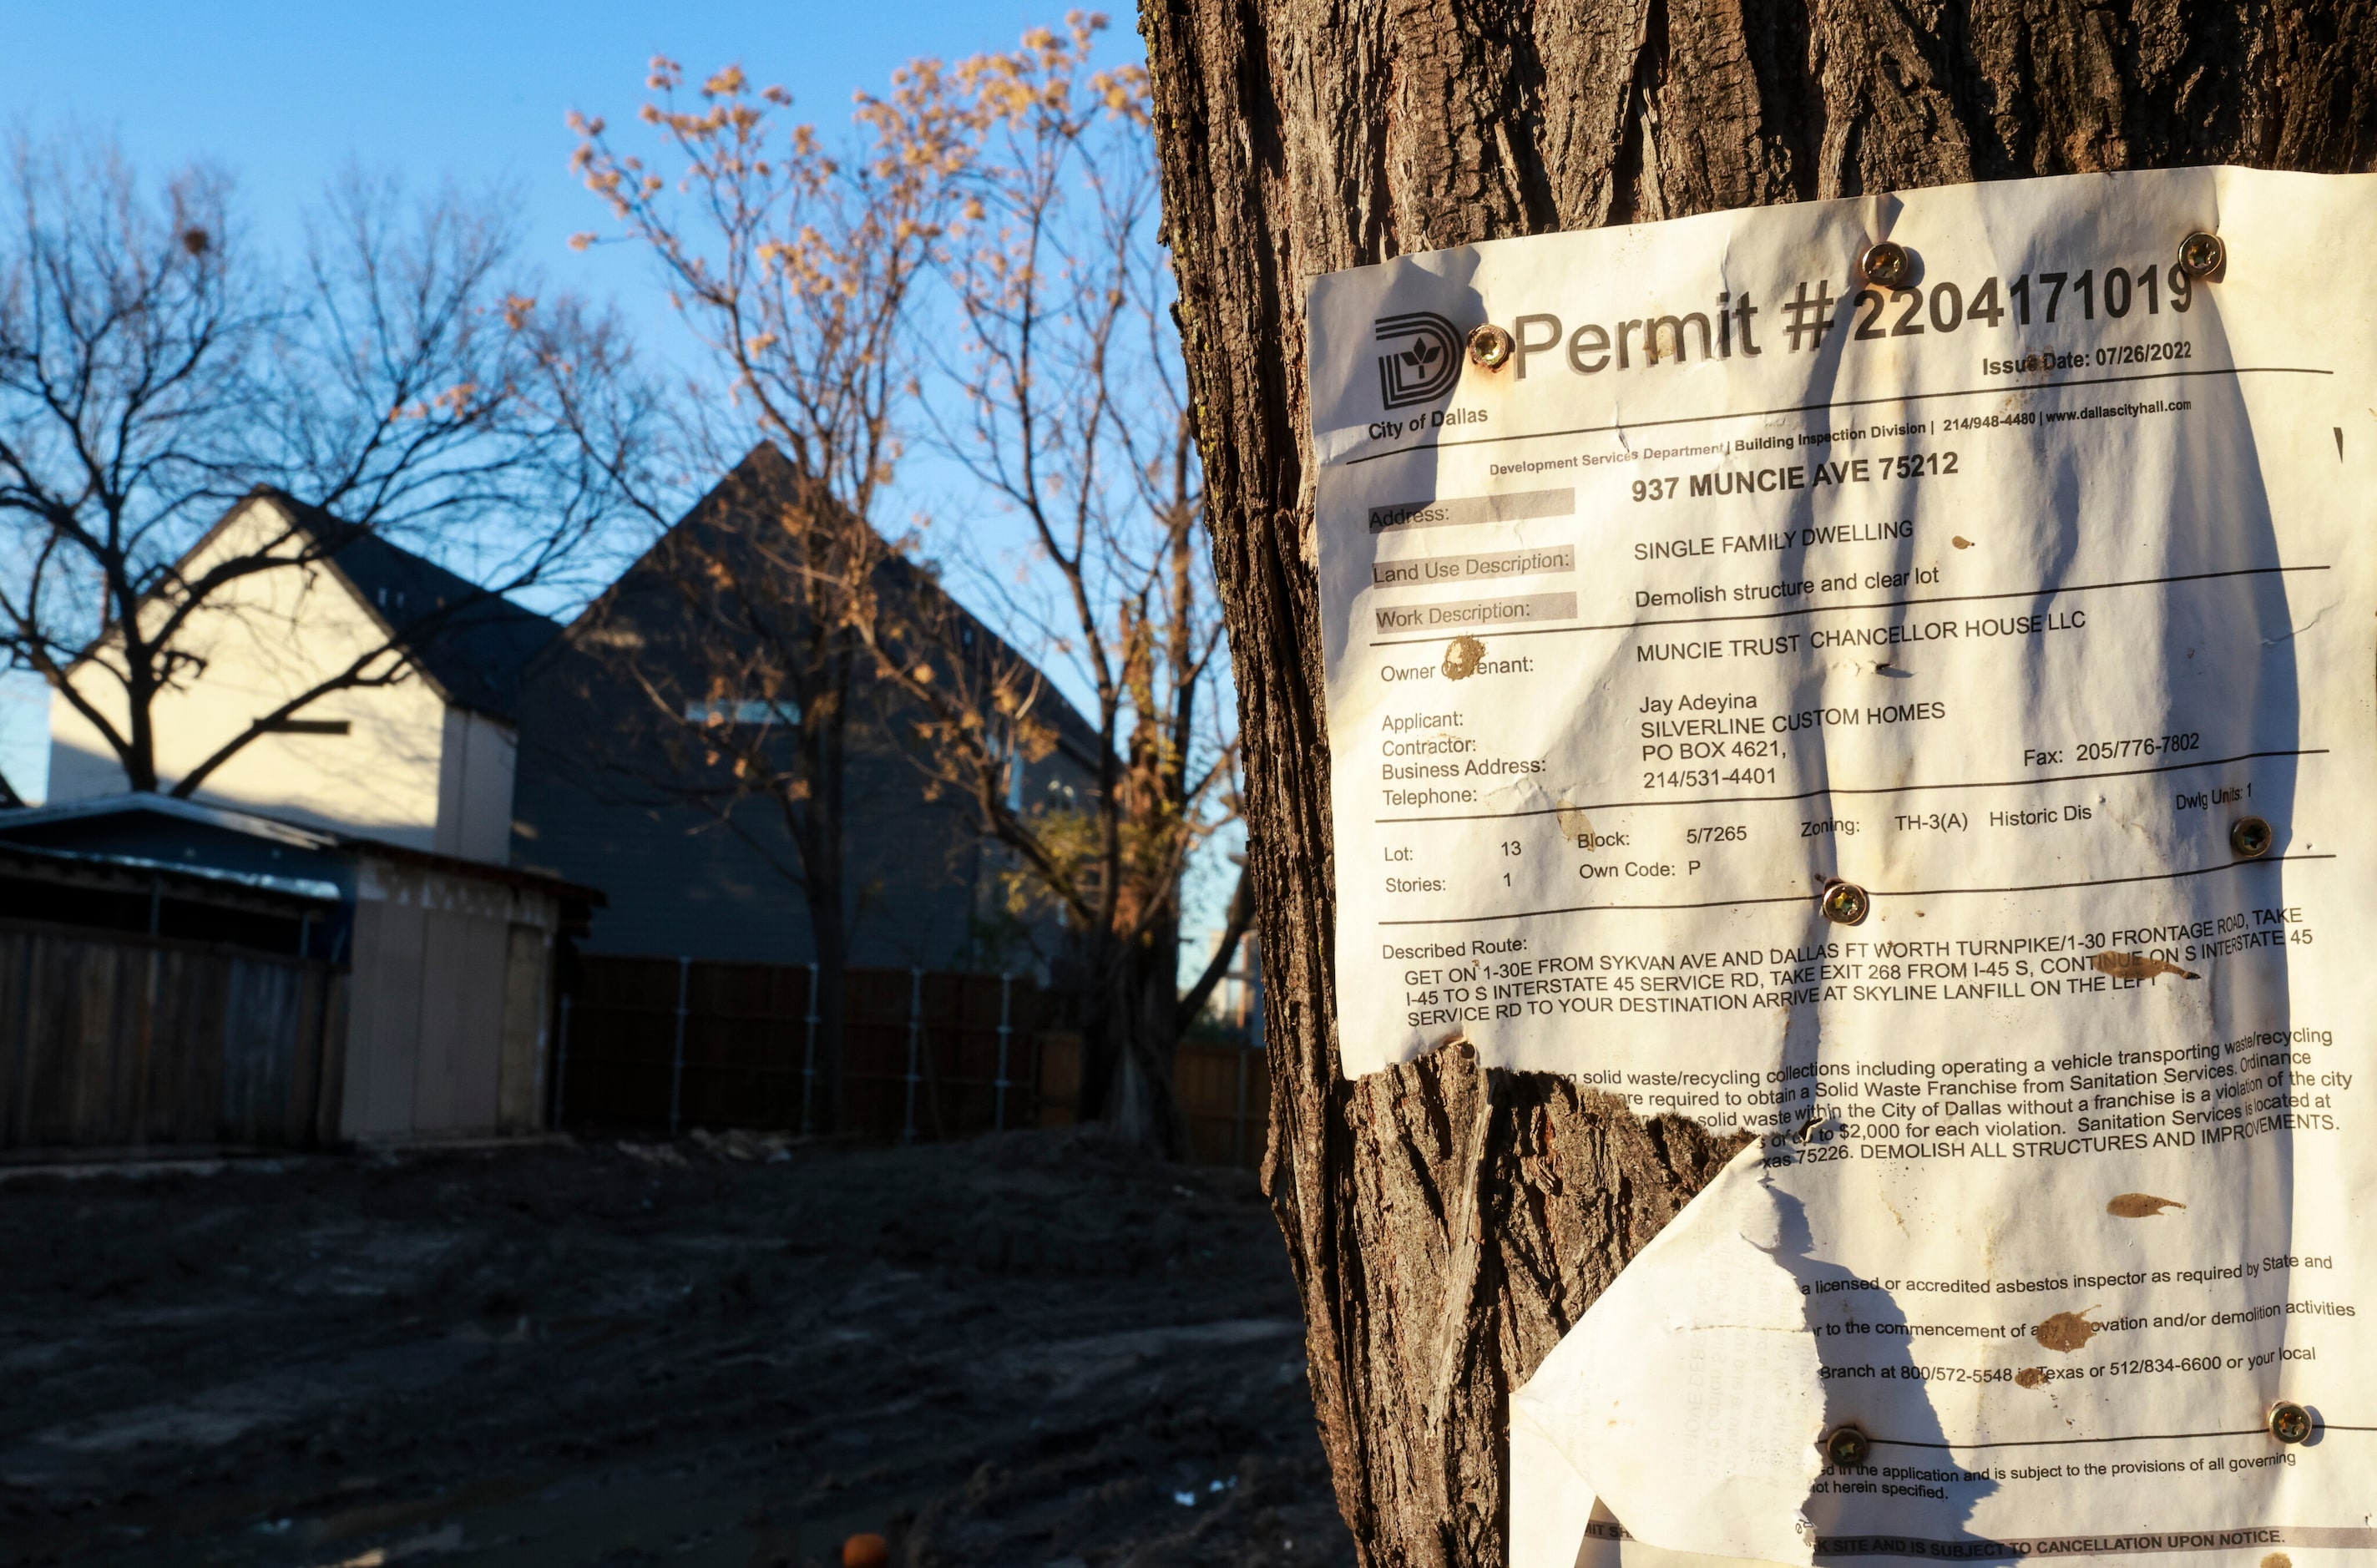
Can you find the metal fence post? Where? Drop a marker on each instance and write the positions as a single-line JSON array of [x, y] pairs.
[[676, 1070], [808, 1056], [998, 1085], [561, 1066], [915, 1041]]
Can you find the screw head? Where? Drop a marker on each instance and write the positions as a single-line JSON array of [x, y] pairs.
[[1847, 1447], [1845, 903], [1489, 346], [1887, 265], [2289, 1422], [2250, 838], [2201, 254]]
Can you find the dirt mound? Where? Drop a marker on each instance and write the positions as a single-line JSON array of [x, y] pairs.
[[1037, 1348]]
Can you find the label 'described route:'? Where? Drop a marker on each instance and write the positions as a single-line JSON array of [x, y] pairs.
[[1928, 731]]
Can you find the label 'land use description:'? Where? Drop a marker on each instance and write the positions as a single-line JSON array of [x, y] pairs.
[[1927, 729]]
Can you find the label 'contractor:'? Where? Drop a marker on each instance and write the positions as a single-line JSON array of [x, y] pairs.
[[1915, 708]]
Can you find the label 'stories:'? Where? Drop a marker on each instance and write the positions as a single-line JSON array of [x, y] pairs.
[[1914, 712]]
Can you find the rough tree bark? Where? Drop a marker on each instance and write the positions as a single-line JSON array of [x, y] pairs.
[[1448, 1225]]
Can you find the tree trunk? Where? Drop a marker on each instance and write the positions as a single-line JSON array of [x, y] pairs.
[[1130, 1032], [1148, 1109], [821, 826], [1448, 1225]]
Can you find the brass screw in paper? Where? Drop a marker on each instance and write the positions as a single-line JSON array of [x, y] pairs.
[[1846, 1447], [1489, 346], [1845, 903], [2249, 837], [1886, 265], [2200, 255], [2289, 1422]]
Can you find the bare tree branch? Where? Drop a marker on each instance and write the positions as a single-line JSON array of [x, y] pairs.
[[1065, 403], [153, 370]]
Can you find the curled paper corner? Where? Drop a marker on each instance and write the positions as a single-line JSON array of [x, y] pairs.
[[1689, 1399]]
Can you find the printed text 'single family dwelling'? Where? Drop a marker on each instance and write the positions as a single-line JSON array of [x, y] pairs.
[[425, 761], [612, 793]]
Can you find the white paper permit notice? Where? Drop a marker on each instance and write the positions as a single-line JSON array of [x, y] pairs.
[[1929, 727]]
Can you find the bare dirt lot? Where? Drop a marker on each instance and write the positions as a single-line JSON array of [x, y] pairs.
[[1031, 1350]]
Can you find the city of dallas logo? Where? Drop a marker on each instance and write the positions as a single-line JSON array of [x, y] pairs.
[[1423, 357]]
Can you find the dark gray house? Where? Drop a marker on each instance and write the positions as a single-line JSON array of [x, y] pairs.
[[631, 722]]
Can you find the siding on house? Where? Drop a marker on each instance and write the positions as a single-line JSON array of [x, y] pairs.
[[681, 882], [424, 762], [603, 771], [477, 759], [267, 638]]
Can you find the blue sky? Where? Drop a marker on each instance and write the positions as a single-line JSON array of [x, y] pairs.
[[284, 95]]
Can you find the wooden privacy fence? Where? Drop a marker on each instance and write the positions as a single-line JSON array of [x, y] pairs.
[[1225, 1094], [115, 1040], [1223, 1089], [668, 1044]]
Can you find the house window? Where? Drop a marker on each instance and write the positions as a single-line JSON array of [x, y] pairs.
[[746, 710]]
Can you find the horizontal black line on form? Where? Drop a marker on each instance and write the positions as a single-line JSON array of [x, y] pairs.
[[1844, 403], [1809, 898], [2071, 1442], [1851, 789], [1845, 609]]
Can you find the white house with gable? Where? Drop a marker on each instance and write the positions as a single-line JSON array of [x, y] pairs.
[[423, 759]]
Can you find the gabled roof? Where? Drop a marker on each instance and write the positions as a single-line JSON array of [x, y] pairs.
[[272, 831], [135, 871], [764, 470], [467, 642], [727, 506], [1074, 732]]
